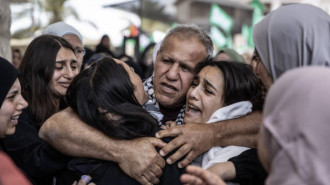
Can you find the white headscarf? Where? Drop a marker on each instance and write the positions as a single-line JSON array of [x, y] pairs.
[[60, 29], [296, 127], [292, 36]]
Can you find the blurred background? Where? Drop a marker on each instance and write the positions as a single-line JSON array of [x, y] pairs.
[[135, 26]]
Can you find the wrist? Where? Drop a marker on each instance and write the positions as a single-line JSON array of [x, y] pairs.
[[115, 150]]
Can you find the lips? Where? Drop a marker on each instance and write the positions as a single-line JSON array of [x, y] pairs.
[[65, 84], [14, 119], [192, 109], [167, 88]]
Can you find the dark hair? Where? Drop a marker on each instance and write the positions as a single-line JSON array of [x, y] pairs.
[[37, 69], [240, 83], [103, 97]]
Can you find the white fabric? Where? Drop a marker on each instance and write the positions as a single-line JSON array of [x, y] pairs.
[[222, 154], [60, 28]]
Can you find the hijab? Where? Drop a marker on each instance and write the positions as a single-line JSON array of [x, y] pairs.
[[8, 75], [232, 54], [296, 127], [60, 28], [292, 36]]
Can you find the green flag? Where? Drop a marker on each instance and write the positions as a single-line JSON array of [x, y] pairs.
[[218, 37], [247, 33], [258, 11], [220, 18]]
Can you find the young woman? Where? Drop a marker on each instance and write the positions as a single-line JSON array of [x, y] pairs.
[[47, 69], [109, 97], [12, 103], [221, 91]]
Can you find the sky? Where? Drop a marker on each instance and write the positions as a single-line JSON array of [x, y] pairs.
[[104, 20]]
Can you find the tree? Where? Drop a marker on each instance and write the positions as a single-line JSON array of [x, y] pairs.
[[5, 22]]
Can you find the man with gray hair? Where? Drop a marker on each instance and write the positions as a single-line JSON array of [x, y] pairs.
[[181, 50]]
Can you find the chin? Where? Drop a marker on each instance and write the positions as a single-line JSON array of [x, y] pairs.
[[11, 131]]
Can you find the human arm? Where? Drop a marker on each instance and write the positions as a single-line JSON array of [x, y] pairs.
[[198, 176], [194, 139], [137, 158]]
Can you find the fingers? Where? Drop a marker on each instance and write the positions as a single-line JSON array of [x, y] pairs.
[[170, 132], [187, 160], [84, 180], [143, 180], [170, 124], [182, 151], [157, 142], [203, 175], [151, 177], [191, 180], [175, 143]]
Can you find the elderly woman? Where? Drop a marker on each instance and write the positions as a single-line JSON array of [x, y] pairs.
[[71, 35]]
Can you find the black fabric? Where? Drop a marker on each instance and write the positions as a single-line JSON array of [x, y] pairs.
[[109, 173], [38, 160], [170, 114], [101, 49], [8, 75], [249, 170]]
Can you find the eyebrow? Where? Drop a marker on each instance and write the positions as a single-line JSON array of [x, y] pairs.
[[63, 61], [209, 84], [13, 92]]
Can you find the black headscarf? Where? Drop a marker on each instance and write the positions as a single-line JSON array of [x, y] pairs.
[[8, 75]]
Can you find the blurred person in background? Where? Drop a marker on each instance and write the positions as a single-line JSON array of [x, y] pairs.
[[71, 35], [17, 58]]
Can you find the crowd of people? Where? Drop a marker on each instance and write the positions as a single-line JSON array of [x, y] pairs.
[[198, 119]]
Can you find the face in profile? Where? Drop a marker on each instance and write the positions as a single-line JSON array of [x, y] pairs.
[[77, 46], [174, 69], [17, 59], [204, 96], [66, 68], [260, 70], [139, 93], [11, 109]]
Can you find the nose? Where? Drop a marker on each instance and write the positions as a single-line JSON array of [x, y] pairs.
[[173, 72], [194, 93], [69, 73], [22, 104]]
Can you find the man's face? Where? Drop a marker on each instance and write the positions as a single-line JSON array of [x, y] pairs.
[[174, 69]]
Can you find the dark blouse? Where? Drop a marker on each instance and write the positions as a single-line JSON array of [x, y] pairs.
[[39, 161], [249, 170]]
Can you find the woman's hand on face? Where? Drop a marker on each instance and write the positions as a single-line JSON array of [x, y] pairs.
[[198, 176]]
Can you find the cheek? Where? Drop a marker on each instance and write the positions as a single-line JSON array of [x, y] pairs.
[[6, 112], [210, 105], [186, 80]]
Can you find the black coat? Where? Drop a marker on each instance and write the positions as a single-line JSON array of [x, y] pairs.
[[39, 161]]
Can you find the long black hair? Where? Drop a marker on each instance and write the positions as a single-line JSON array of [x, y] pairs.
[[103, 97], [37, 69], [240, 83]]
